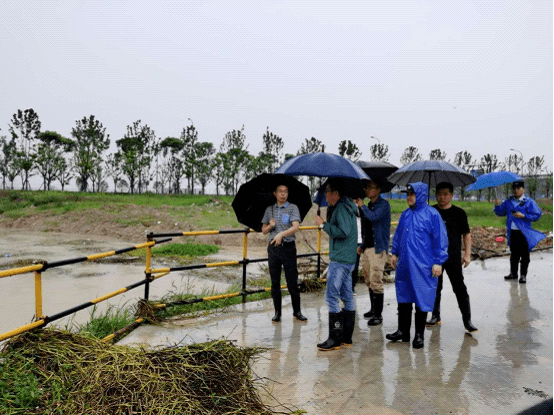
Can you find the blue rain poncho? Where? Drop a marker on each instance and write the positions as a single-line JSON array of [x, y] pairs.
[[532, 213], [420, 241]]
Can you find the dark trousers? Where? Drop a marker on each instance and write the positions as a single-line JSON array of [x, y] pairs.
[[519, 251], [283, 257], [456, 277]]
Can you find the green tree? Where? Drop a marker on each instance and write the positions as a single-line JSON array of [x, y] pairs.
[[379, 152], [534, 169], [313, 145], [349, 150], [113, 169], [220, 160], [548, 185], [464, 160], [91, 141], [488, 164], [437, 154], [172, 149], [205, 163], [235, 149], [64, 171], [8, 164], [410, 155], [270, 157], [50, 150], [135, 154], [25, 127], [189, 137]]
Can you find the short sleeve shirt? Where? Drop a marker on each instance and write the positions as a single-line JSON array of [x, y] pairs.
[[457, 225], [284, 216]]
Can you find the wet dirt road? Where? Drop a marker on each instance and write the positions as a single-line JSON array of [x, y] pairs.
[[503, 368]]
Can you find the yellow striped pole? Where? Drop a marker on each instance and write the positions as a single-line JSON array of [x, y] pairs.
[[22, 270], [21, 329], [38, 295]]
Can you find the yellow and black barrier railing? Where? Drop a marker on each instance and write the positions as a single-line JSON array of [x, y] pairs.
[[151, 275]]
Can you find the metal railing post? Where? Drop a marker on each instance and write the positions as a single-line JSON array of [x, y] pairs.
[[244, 263], [318, 253], [38, 295], [148, 271]]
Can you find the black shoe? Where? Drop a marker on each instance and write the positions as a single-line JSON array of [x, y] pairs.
[[277, 317], [335, 333], [398, 336], [433, 321], [470, 327], [370, 313], [418, 341], [523, 279], [510, 277], [299, 316], [375, 321]]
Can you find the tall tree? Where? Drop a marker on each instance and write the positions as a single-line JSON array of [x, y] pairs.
[[379, 152], [464, 160], [50, 151], [25, 127], [205, 156], [313, 145], [437, 154], [171, 149], [135, 153], [488, 164], [219, 170], [64, 171], [410, 155], [349, 150], [91, 141], [189, 137], [534, 168], [113, 169], [8, 166], [236, 156], [270, 157]]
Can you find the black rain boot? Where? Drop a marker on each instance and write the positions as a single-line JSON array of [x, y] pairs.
[[404, 323], [277, 305], [466, 315], [349, 319], [523, 274], [514, 263], [420, 318], [295, 299], [378, 315], [335, 333], [370, 313]]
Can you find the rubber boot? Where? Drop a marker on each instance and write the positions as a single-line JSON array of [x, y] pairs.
[[377, 316], [335, 333], [420, 318], [466, 315], [404, 324], [277, 305], [348, 319], [295, 300], [370, 313], [523, 272]]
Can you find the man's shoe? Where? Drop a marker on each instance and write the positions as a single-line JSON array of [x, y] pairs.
[[510, 277], [470, 327], [433, 321], [418, 341], [375, 321], [277, 317], [523, 279], [299, 316]]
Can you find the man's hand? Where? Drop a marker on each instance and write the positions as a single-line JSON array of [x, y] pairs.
[[359, 202], [466, 260], [360, 251], [272, 222], [519, 215], [497, 202], [437, 270], [393, 260], [277, 240], [318, 220]]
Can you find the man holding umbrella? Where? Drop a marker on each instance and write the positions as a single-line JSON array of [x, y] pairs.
[[521, 211], [281, 221]]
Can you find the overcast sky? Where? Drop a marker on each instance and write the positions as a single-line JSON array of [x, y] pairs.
[[455, 75]]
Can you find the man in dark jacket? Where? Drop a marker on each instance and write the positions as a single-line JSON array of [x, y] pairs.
[[374, 248], [343, 241], [521, 211]]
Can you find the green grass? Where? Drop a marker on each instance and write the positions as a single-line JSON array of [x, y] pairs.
[[103, 324]]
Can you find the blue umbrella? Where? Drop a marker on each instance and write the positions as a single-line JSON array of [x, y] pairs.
[[431, 172], [496, 178], [321, 165]]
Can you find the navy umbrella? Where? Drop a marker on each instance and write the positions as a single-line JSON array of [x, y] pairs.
[[431, 172], [254, 196], [379, 170], [321, 165], [496, 178]]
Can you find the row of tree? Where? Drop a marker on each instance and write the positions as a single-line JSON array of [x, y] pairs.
[[145, 162]]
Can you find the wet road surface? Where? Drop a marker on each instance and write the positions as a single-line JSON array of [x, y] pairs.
[[502, 369]]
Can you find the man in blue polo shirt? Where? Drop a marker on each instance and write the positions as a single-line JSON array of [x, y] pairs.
[[281, 221]]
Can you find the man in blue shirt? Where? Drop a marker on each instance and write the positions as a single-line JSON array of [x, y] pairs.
[[374, 248], [281, 221]]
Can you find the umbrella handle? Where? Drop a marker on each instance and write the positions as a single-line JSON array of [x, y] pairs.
[[318, 210]]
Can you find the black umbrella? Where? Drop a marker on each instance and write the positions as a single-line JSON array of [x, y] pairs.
[[379, 170], [256, 195]]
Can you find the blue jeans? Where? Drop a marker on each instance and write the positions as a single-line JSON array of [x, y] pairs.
[[339, 284]]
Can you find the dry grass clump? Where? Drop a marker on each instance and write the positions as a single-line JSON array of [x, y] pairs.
[[82, 375]]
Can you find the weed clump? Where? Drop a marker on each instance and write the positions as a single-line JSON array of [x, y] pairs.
[[74, 374]]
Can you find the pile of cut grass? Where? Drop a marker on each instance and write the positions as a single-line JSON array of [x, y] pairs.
[[51, 371]]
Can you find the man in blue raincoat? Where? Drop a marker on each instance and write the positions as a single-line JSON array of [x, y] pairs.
[[419, 248], [520, 212]]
